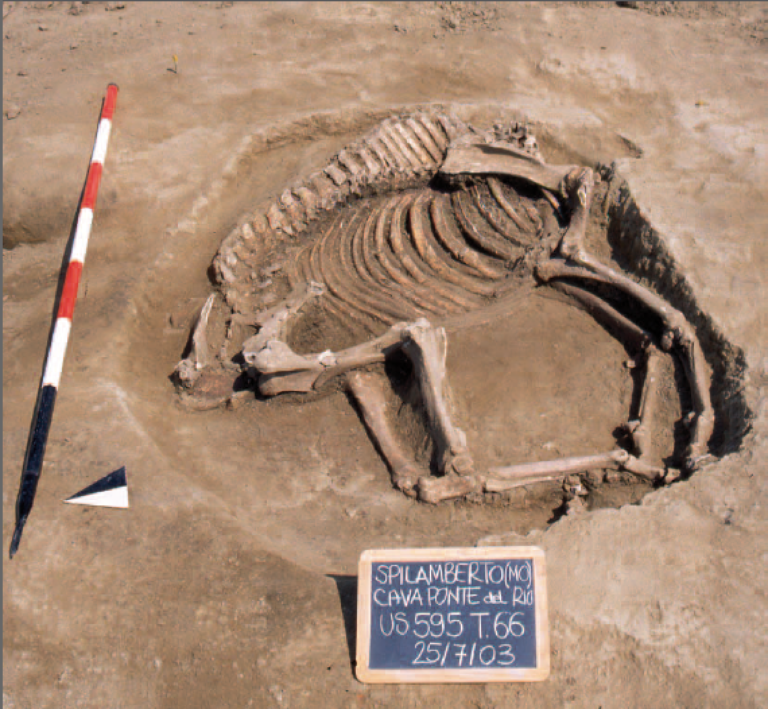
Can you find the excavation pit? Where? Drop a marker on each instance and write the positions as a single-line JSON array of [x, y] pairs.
[[538, 381]]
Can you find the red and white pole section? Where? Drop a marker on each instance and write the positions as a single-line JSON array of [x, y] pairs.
[[54, 363]]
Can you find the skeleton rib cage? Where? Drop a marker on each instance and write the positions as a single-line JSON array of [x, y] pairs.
[[403, 253]]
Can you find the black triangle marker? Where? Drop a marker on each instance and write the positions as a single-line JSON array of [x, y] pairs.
[[110, 491]]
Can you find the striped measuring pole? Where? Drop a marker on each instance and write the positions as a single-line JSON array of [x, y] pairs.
[[54, 362]]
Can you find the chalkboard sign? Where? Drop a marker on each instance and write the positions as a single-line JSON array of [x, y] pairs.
[[452, 615]]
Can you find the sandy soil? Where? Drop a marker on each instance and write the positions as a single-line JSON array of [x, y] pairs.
[[230, 581]]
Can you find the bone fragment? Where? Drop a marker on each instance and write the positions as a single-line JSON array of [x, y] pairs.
[[454, 127], [427, 348], [188, 370], [338, 176], [434, 490], [309, 200], [579, 187], [367, 390], [349, 163], [278, 220]]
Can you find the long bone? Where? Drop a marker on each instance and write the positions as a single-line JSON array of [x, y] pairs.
[[559, 468], [366, 388], [427, 348], [640, 428], [601, 310]]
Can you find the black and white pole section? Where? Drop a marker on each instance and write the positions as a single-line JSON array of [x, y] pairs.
[[54, 362]]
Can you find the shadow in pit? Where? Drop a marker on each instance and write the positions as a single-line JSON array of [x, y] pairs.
[[347, 588]]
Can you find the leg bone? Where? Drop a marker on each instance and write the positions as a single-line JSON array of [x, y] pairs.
[[553, 469], [426, 346], [367, 391], [640, 428]]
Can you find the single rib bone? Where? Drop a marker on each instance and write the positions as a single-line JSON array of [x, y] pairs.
[[427, 348], [367, 391], [188, 370], [640, 428]]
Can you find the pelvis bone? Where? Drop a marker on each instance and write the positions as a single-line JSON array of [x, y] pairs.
[[441, 226]]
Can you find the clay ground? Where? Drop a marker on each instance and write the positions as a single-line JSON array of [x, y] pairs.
[[230, 580]]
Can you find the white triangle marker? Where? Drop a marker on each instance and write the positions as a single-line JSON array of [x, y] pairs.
[[110, 491]]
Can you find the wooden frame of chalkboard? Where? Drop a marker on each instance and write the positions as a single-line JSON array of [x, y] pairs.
[[452, 615]]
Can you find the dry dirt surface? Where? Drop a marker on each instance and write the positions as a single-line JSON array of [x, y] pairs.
[[230, 581]]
